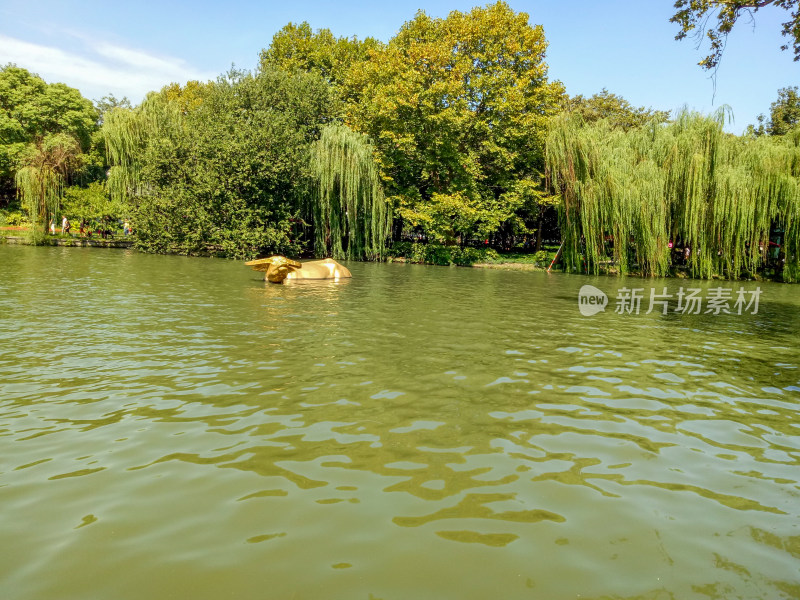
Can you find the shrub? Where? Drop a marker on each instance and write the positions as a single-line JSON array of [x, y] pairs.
[[470, 256], [435, 254], [438, 254], [542, 257], [37, 237], [13, 219], [399, 249]]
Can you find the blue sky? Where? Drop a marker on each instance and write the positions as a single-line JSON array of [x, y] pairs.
[[626, 46]]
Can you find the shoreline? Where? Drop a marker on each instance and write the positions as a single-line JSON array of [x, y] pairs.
[[69, 242], [677, 274], [509, 266], [502, 266]]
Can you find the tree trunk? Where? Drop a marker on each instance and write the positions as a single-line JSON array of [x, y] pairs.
[[539, 233]]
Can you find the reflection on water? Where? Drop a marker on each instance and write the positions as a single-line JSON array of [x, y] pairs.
[[175, 427]]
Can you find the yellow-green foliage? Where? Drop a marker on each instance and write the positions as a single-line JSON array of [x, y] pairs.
[[128, 132], [40, 190], [45, 166], [347, 199], [458, 109], [687, 182]]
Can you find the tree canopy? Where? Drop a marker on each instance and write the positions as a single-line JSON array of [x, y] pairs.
[[784, 112], [46, 135], [628, 195], [36, 115], [108, 102], [445, 124], [784, 115], [457, 109], [29, 107], [618, 111], [297, 47], [225, 173]]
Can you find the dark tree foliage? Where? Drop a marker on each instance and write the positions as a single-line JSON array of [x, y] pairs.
[[228, 177], [618, 111]]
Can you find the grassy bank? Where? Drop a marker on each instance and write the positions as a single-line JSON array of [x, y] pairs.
[[438, 254]]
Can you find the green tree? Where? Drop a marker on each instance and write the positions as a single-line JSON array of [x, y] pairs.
[[616, 109], [347, 206], [784, 112], [18, 117], [31, 108], [784, 115], [458, 110], [188, 97], [30, 111], [44, 169], [91, 204], [298, 47], [628, 194], [226, 177], [693, 16], [109, 102]]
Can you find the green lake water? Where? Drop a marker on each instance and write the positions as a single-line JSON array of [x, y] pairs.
[[176, 427]]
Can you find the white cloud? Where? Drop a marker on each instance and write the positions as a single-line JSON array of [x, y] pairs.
[[101, 69]]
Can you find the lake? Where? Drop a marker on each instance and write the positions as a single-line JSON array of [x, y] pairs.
[[176, 427]]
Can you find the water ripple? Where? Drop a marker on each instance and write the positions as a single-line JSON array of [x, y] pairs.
[[177, 427]]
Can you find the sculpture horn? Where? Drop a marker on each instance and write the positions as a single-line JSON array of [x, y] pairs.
[[260, 264]]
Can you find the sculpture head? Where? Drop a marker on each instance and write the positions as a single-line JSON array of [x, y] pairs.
[[277, 268]]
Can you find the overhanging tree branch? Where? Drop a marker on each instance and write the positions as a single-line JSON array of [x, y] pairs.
[[692, 16]]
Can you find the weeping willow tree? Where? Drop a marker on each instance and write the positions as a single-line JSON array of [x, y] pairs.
[[128, 133], [40, 181], [627, 195], [347, 205]]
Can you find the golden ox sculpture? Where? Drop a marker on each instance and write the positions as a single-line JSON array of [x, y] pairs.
[[279, 269]]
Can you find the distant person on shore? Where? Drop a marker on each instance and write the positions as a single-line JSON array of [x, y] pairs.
[[126, 228], [64, 226], [52, 227]]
